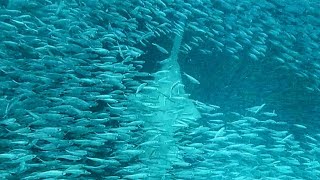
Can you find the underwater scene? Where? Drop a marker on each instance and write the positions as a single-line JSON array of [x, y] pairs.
[[160, 89]]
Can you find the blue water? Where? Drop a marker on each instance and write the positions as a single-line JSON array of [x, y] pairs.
[[159, 89]]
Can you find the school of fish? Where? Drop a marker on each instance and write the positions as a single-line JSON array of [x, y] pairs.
[[76, 99]]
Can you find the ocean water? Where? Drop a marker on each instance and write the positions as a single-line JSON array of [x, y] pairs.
[[160, 89]]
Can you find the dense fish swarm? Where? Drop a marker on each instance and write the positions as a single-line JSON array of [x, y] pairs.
[[78, 103]]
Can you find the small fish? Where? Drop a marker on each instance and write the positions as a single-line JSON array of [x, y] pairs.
[[77, 172], [107, 136], [105, 161], [253, 56], [270, 114], [212, 115], [77, 152], [120, 50], [219, 132], [149, 143], [7, 156], [192, 79], [173, 86], [140, 87], [300, 126], [49, 130], [69, 157], [136, 176], [161, 49], [46, 174], [255, 109]]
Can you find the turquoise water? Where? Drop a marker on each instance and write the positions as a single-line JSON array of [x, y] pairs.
[[159, 89]]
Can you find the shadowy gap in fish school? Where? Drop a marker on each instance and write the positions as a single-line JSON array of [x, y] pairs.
[[152, 55], [238, 84]]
